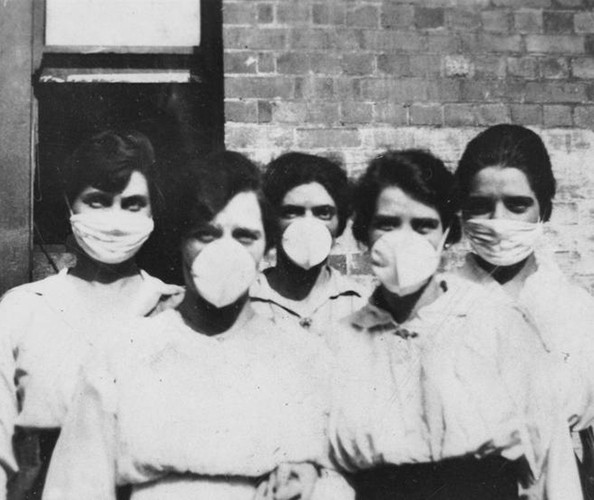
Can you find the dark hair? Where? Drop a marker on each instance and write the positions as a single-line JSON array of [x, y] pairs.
[[509, 146], [209, 183], [419, 174], [107, 160], [295, 169]]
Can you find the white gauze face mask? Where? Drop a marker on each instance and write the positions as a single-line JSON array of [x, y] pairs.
[[404, 261], [109, 238], [223, 272], [503, 242], [307, 242]]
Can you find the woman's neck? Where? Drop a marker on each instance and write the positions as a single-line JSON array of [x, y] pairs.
[[402, 308], [509, 274], [92, 271], [292, 281], [205, 318]]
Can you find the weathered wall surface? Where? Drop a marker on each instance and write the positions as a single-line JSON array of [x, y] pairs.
[[352, 77]]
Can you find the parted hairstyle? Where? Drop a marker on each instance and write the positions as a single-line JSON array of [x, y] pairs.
[[420, 174], [209, 183], [509, 146], [107, 160], [295, 169]]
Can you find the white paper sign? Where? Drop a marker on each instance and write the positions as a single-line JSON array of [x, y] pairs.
[[128, 23]]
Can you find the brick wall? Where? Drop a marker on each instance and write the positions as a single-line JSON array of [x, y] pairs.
[[352, 77]]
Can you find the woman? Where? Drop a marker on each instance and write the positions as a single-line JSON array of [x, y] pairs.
[[310, 196], [442, 392], [48, 327], [208, 400], [506, 188]]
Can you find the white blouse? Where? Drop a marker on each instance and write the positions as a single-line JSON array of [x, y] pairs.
[[45, 336], [181, 415], [466, 376]]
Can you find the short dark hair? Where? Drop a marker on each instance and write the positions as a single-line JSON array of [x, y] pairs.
[[420, 174], [106, 161], [207, 184], [514, 146], [295, 169]]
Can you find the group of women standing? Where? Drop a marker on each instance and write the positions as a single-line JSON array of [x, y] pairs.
[[293, 383]]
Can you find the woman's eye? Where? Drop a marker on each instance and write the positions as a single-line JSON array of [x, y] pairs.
[[245, 237], [425, 226], [517, 207], [478, 206], [291, 211], [204, 236], [324, 212]]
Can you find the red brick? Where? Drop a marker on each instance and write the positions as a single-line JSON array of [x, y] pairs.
[[558, 23], [328, 138], [324, 39], [258, 87], [490, 43], [429, 18], [292, 63], [239, 13], [397, 16], [357, 64], [444, 90], [322, 112], [356, 112], [425, 65], [426, 114], [266, 62], [241, 111], [264, 111], [523, 67], [584, 22], [249, 38], [555, 44], [554, 68], [557, 116], [526, 114], [293, 12], [553, 92], [347, 88], [403, 90], [442, 44], [463, 20], [289, 112], [568, 4], [483, 91], [525, 3], [384, 40], [363, 16], [389, 112], [489, 66], [589, 44], [326, 63], [394, 64], [583, 68], [459, 115], [455, 65], [496, 21], [492, 114], [327, 13], [314, 87], [528, 21], [265, 13], [240, 62], [584, 116]]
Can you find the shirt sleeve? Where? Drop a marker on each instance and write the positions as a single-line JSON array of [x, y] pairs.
[[14, 311], [84, 462]]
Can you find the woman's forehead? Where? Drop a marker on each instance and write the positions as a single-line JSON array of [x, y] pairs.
[[241, 210], [501, 181], [395, 202]]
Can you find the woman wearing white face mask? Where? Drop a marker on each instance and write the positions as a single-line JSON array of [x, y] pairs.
[[48, 327], [208, 400], [506, 187], [310, 196], [441, 392]]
